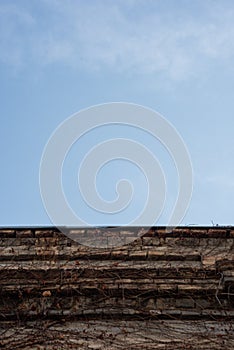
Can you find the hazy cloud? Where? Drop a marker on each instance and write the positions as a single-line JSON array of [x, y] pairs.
[[133, 36]]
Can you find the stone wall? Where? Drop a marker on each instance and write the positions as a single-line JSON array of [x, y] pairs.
[[166, 290]]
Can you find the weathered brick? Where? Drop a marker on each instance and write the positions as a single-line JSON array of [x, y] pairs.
[[24, 233], [217, 232], [7, 233], [138, 254], [185, 303]]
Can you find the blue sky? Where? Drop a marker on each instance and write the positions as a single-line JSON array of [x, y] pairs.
[[60, 56]]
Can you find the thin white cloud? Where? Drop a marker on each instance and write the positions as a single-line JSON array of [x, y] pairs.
[[132, 36], [225, 181], [14, 23]]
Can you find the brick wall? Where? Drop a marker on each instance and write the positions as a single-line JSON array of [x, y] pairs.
[[166, 290]]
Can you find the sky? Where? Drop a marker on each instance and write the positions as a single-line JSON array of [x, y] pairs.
[[58, 57]]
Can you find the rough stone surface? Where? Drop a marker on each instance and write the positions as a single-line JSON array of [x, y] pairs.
[[166, 290]]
